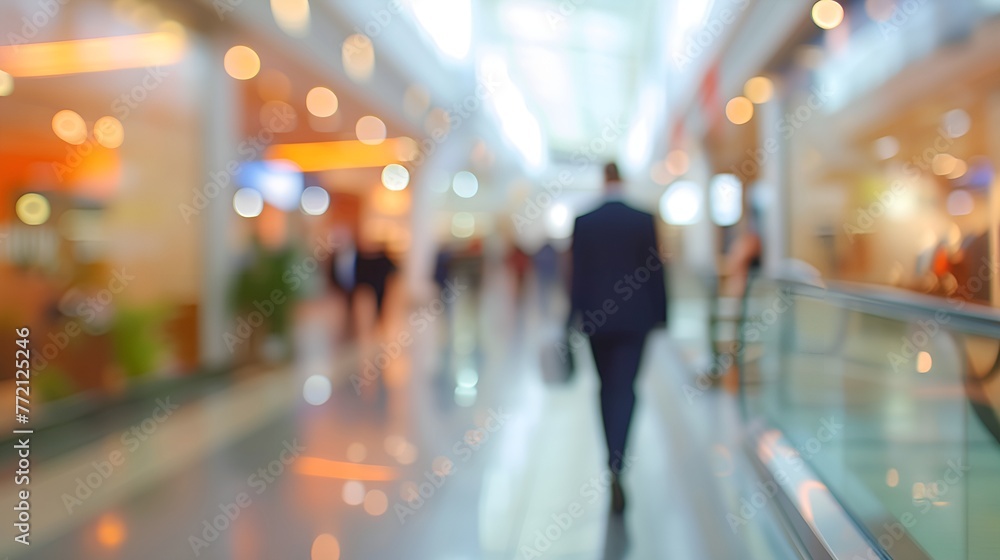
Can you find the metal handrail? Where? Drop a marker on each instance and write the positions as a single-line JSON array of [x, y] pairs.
[[894, 303]]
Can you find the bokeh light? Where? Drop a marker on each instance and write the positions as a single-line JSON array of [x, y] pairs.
[[558, 222], [726, 197], [759, 89], [407, 148], [956, 123], [924, 362], [677, 162], [6, 84], [315, 200], [325, 547], [70, 127], [960, 202], [358, 56], [943, 164], [465, 184], [961, 168], [241, 62], [408, 454], [886, 147], [317, 389], [322, 102], [739, 110], [292, 16], [892, 478], [353, 493], [658, 173], [395, 177], [109, 132], [370, 130], [33, 209], [110, 531], [827, 14], [680, 205], [376, 502], [248, 203]]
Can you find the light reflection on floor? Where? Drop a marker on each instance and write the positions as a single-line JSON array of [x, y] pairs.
[[455, 450]]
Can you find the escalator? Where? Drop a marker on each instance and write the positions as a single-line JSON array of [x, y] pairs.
[[875, 415]]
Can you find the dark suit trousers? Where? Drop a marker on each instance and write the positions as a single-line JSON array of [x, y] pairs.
[[617, 358]]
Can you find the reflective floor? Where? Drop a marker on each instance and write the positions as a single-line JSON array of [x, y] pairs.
[[458, 449]]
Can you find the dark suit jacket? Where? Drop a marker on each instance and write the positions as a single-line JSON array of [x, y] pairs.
[[618, 277]]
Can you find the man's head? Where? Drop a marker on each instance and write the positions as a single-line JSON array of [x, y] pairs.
[[612, 179]]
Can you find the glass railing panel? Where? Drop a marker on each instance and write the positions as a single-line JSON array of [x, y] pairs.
[[879, 407]]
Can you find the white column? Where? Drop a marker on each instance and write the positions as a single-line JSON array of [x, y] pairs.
[[774, 226], [220, 105]]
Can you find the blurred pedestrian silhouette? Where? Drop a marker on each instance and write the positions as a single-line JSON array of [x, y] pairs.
[[372, 270], [618, 295]]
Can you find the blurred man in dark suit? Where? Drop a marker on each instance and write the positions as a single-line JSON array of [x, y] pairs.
[[618, 296]]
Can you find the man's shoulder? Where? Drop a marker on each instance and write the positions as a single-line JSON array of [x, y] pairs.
[[615, 209]]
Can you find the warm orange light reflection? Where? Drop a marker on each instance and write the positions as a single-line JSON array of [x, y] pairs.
[[109, 132], [766, 444], [758, 89], [739, 110], [345, 154], [92, 55], [370, 130], [805, 502], [827, 14], [315, 466], [924, 362], [892, 478], [241, 62], [110, 531], [376, 502], [325, 547], [678, 162], [69, 126]]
